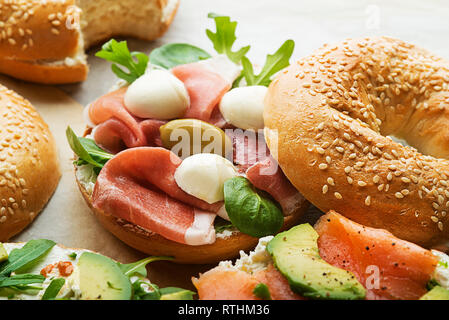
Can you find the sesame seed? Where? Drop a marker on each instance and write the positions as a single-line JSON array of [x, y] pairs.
[[325, 189], [338, 196], [368, 200], [322, 166], [399, 195]]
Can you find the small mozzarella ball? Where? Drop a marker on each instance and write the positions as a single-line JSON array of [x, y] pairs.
[[243, 107], [203, 176], [158, 95]]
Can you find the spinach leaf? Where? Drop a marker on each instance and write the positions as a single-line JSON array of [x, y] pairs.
[[261, 291], [119, 53], [250, 212], [53, 289], [87, 150], [20, 280], [273, 64], [139, 266], [174, 54], [224, 37], [31, 251]]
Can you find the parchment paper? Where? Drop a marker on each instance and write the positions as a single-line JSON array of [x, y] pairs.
[[264, 24]]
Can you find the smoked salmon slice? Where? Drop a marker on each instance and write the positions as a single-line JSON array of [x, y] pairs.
[[138, 186], [389, 268], [223, 283]]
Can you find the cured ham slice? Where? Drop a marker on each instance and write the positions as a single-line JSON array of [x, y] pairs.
[[206, 82], [138, 185], [117, 129], [266, 175], [252, 157]]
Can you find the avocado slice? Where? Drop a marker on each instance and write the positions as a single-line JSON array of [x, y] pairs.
[[295, 254], [3, 253], [100, 278], [437, 293]]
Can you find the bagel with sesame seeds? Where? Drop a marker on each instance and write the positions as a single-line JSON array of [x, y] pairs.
[[329, 120], [29, 169], [44, 41]]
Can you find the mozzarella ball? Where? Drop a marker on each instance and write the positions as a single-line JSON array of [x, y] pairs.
[[203, 176], [157, 94], [243, 107]]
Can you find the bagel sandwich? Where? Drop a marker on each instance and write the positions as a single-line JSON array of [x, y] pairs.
[[332, 115], [45, 41], [29, 172], [43, 270], [174, 161], [337, 259]]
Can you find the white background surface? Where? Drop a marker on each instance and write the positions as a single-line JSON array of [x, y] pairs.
[[263, 24]]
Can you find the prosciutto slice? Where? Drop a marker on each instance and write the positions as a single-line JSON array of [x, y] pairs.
[[117, 129], [138, 185], [206, 82], [266, 175], [252, 157]]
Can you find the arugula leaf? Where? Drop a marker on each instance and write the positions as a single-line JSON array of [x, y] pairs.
[[273, 64], [138, 267], [21, 279], [87, 150], [31, 251], [119, 53], [172, 293], [53, 289], [139, 293], [261, 291], [224, 37], [174, 54], [73, 255], [251, 212]]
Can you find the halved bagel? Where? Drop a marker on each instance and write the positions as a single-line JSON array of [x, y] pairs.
[[328, 120], [44, 41], [153, 244]]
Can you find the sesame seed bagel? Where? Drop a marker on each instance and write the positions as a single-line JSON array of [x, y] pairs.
[[29, 170], [328, 119], [151, 243], [44, 41]]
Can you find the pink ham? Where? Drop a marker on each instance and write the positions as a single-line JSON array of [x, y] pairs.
[[118, 129], [138, 185], [266, 175], [252, 157], [205, 88]]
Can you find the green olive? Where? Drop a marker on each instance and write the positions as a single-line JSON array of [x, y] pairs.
[[186, 137]]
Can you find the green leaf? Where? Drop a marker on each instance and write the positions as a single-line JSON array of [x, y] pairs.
[[20, 280], [174, 54], [138, 267], [53, 289], [31, 251], [87, 150], [251, 212], [172, 293], [273, 64], [224, 37], [221, 225], [140, 294], [118, 52], [261, 291]]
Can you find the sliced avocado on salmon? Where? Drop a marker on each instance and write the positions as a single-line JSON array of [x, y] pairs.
[[3, 253], [100, 278], [437, 293], [295, 254]]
